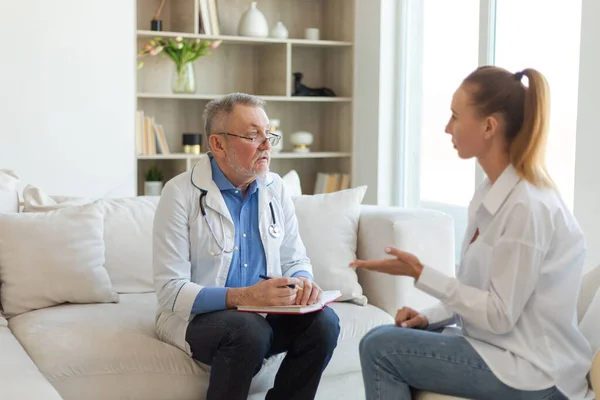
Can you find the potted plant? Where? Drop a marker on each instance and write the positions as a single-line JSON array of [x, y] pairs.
[[183, 53], [154, 181]]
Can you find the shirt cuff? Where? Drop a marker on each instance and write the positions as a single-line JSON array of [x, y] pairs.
[[305, 274], [434, 283], [210, 299]]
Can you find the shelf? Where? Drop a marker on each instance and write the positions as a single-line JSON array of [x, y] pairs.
[[263, 67], [282, 155], [309, 99], [245, 40]]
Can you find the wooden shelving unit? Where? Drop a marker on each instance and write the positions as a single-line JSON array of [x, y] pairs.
[[259, 66]]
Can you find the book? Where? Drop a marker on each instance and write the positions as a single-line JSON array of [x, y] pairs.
[[327, 297]]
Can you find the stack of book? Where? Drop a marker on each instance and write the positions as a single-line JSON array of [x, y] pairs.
[[209, 18], [327, 182], [150, 137]]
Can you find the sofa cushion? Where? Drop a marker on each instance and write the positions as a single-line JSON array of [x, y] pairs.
[[35, 200], [291, 181], [100, 351], [127, 234], [51, 258], [108, 351], [328, 225], [589, 326], [590, 284], [9, 201], [128, 242], [19, 376], [355, 322], [9, 195]]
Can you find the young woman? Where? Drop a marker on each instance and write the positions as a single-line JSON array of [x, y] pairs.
[[514, 297]]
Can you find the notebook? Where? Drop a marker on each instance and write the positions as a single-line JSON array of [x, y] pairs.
[[327, 297]]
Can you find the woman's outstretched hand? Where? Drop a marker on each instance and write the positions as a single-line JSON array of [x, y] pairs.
[[403, 264]]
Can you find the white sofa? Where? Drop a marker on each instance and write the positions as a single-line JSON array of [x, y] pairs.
[[111, 351]]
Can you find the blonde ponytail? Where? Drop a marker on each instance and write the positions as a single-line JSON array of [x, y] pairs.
[[527, 150]]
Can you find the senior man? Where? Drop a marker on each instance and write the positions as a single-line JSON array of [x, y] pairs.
[[218, 228]]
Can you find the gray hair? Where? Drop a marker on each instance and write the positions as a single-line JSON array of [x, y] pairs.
[[223, 106]]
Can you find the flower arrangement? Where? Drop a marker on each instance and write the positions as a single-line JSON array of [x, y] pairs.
[[183, 53]]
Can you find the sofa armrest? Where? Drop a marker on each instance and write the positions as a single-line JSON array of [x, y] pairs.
[[595, 375], [428, 234], [19, 376]]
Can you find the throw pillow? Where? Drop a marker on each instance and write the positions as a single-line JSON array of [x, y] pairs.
[[291, 180], [128, 242], [328, 226], [51, 258], [35, 200], [9, 195]]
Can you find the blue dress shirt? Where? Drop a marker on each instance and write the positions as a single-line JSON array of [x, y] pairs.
[[249, 261]]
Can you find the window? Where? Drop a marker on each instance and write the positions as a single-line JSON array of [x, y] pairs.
[[452, 40], [553, 29], [450, 53], [447, 43]]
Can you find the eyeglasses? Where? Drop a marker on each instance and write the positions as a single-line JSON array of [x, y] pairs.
[[272, 137]]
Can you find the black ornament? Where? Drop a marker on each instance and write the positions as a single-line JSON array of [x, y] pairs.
[[301, 89]]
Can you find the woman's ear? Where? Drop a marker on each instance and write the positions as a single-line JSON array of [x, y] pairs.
[[491, 126]]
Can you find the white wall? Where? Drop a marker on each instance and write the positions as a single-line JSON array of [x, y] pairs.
[[587, 153], [67, 87], [376, 103]]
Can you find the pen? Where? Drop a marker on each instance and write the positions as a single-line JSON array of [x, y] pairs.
[[290, 286]]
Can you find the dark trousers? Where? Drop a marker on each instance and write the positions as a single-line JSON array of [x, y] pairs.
[[235, 344]]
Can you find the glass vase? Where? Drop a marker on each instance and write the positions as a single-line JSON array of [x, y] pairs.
[[184, 80]]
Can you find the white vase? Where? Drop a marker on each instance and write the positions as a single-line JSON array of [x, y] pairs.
[[279, 31], [153, 188], [253, 23], [301, 141]]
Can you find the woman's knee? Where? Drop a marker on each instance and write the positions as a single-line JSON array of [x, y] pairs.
[[377, 340]]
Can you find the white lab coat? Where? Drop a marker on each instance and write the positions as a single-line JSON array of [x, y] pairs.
[[182, 244]]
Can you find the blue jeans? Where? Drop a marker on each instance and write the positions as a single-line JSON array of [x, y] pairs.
[[235, 344], [395, 360]]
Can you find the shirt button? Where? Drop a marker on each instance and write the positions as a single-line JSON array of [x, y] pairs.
[[244, 235], [237, 191], [245, 265]]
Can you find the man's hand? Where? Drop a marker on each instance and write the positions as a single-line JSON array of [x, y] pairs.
[[310, 293], [408, 318], [272, 292]]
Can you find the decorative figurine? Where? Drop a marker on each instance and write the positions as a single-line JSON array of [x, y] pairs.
[[301, 89]]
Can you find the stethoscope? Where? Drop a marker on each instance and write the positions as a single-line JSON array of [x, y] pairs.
[[274, 229]]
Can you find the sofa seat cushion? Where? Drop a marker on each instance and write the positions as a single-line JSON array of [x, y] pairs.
[[355, 322], [107, 351], [101, 351], [19, 377]]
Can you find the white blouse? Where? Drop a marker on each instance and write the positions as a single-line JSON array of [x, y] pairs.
[[515, 294]]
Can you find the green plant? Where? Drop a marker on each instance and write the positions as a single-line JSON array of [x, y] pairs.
[[179, 50], [154, 174]]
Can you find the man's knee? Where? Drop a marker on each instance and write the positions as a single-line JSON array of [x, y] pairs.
[[246, 336], [326, 328], [249, 332]]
